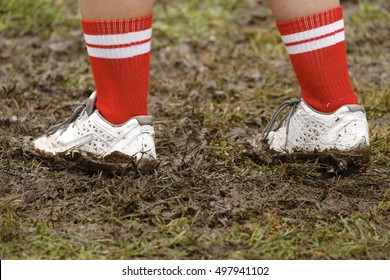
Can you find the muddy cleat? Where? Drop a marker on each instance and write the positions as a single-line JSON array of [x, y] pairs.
[[91, 142], [339, 138]]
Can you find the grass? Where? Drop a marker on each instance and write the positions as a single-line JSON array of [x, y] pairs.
[[369, 11], [218, 72], [41, 17], [275, 238], [190, 21]]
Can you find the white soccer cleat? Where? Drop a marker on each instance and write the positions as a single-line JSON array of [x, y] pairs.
[[87, 139], [341, 137]]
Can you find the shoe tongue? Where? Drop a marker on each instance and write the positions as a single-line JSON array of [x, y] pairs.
[[90, 104]]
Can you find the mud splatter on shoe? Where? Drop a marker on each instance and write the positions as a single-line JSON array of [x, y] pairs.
[[87, 140], [340, 137]]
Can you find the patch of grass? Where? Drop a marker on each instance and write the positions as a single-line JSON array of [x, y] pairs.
[[192, 21], [9, 229], [369, 11], [274, 237], [42, 17], [49, 244], [283, 238]]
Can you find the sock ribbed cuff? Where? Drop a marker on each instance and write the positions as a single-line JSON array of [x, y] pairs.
[[118, 38]]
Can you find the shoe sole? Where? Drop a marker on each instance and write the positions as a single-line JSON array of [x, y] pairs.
[[344, 161], [115, 163], [356, 159]]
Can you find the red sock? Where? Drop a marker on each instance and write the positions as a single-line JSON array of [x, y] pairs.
[[316, 45], [119, 52]]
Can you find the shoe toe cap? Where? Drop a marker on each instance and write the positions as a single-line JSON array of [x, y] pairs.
[[277, 140], [43, 144]]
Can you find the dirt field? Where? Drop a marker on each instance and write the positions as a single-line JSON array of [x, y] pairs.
[[219, 71]]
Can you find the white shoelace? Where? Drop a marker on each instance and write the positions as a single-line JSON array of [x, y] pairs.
[[270, 126], [87, 105]]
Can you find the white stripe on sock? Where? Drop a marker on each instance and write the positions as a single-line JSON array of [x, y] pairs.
[[313, 33], [119, 53], [316, 44], [118, 39]]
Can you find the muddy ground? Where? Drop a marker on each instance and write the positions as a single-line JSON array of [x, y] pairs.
[[217, 77]]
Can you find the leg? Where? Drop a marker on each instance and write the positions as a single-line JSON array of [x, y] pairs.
[[284, 10], [115, 9], [328, 120], [112, 130]]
